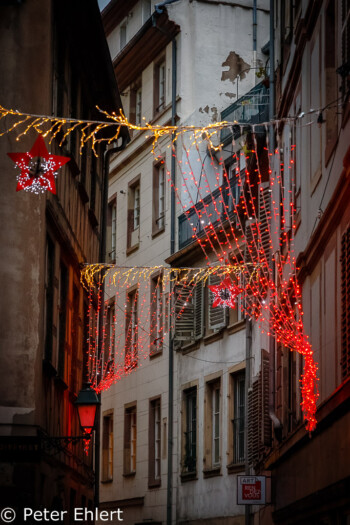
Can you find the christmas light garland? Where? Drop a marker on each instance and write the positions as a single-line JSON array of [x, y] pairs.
[[246, 232]]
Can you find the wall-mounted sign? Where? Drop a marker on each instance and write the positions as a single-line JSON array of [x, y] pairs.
[[251, 490]]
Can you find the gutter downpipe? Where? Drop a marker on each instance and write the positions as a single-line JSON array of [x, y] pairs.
[[172, 250], [248, 358], [272, 76], [254, 34], [102, 258], [272, 342]]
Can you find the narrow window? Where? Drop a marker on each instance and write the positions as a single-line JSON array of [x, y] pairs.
[[212, 427], [146, 10], [190, 431], [113, 230], [109, 342], [122, 35], [107, 448], [216, 425], [156, 342], [133, 221], [138, 112], [154, 443], [131, 330], [130, 432], [238, 421], [159, 86], [158, 198]]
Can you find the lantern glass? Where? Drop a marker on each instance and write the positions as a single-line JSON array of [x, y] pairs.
[[87, 415]]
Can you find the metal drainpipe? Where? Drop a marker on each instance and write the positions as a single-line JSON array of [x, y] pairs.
[[254, 35], [272, 75], [248, 358], [102, 257], [171, 341]]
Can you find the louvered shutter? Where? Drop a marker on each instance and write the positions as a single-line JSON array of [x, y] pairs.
[[198, 301], [184, 313], [265, 247], [253, 423], [265, 395], [217, 315]]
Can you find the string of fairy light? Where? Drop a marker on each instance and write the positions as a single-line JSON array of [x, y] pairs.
[[93, 131], [248, 233]]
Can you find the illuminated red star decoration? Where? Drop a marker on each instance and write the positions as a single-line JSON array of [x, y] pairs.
[[225, 293], [38, 168]]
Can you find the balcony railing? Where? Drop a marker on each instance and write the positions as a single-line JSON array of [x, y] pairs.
[[252, 108], [208, 212]]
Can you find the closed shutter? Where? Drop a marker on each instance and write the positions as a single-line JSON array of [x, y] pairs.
[[345, 304], [217, 315], [265, 396], [198, 301], [259, 422], [265, 222], [345, 41], [253, 422], [184, 313]]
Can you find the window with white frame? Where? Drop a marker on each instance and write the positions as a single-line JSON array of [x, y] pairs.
[[159, 86], [131, 329], [133, 219], [107, 448], [212, 426], [189, 462], [130, 440], [154, 456], [158, 215], [156, 341]]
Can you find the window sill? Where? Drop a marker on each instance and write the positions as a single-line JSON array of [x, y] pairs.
[[132, 249], [188, 476], [233, 468], [154, 484], [236, 327], [106, 481], [155, 232], [216, 336], [154, 354], [129, 475], [189, 347], [211, 472]]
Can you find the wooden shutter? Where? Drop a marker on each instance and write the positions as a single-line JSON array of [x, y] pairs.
[[217, 315], [259, 422], [198, 301], [265, 397], [184, 313], [265, 222], [253, 423], [345, 304]]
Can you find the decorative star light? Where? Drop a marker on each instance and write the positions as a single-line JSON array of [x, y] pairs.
[[225, 293], [38, 168]]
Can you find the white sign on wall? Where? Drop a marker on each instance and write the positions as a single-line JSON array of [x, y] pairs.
[[251, 490]]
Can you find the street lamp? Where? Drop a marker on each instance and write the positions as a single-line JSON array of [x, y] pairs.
[[87, 403]]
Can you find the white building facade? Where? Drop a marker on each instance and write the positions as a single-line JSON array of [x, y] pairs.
[[184, 63]]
